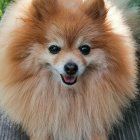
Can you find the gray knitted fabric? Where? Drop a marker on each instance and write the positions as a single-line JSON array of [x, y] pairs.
[[129, 129], [10, 131]]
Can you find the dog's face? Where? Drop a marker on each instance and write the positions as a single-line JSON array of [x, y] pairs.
[[67, 60], [69, 49]]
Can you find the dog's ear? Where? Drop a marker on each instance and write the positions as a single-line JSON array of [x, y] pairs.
[[95, 9], [43, 8]]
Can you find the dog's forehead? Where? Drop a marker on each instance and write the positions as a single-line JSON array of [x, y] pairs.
[[63, 37], [67, 32]]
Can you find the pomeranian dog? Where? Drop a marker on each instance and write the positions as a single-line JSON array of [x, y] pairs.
[[66, 71]]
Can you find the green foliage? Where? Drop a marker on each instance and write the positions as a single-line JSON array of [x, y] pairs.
[[3, 5], [135, 3]]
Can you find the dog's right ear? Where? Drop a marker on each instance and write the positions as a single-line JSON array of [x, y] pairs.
[[96, 9], [42, 9]]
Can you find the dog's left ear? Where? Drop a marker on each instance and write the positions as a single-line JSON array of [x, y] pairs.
[[42, 9], [95, 9]]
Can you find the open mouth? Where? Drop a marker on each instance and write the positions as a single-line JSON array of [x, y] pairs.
[[69, 79]]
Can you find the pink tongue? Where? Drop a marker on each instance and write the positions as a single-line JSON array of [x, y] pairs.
[[69, 79]]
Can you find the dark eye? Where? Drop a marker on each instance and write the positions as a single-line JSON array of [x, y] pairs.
[[54, 49], [84, 49]]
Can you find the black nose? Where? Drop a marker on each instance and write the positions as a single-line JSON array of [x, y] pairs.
[[71, 68]]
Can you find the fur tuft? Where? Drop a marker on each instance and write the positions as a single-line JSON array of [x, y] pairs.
[[132, 15]]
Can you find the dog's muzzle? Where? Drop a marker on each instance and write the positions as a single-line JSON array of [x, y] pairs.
[[71, 70]]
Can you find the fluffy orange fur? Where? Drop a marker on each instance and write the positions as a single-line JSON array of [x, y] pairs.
[[48, 110]]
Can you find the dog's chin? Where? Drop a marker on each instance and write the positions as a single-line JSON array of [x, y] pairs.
[[69, 79]]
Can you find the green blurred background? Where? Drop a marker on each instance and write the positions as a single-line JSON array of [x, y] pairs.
[[4, 3]]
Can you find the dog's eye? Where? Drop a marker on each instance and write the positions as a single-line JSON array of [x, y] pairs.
[[84, 49], [54, 49]]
